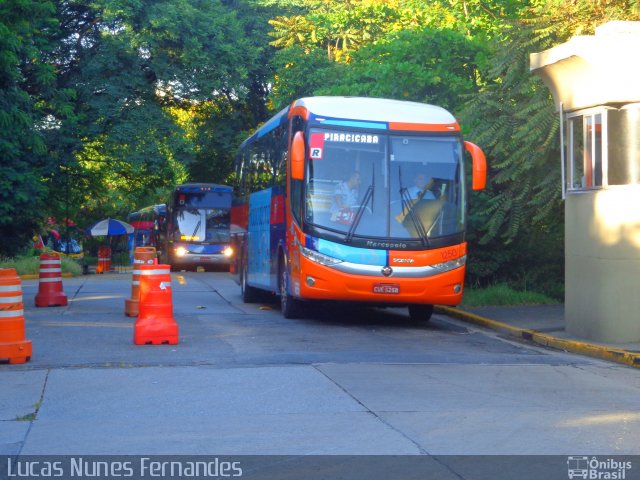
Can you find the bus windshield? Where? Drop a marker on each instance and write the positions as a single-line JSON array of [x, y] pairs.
[[400, 186], [200, 225]]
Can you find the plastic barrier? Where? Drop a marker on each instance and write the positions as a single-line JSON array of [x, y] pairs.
[[155, 324], [13, 345], [104, 260], [50, 292], [141, 256]]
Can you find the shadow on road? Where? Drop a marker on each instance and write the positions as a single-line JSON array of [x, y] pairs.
[[354, 315]]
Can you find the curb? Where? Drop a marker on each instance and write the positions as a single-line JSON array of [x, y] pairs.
[[601, 352]]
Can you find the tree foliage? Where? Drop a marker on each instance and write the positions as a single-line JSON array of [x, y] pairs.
[[105, 105], [381, 44], [514, 119], [26, 82], [99, 98], [430, 66]]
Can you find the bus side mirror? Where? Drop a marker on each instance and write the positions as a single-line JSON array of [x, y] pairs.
[[297, 156], [479, 179]]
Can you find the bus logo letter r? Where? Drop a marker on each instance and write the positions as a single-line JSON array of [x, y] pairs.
[[316, 146]]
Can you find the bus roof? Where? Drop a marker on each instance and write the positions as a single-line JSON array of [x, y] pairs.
[[214, 187], [159, 209], [374, 110], [364, 112]]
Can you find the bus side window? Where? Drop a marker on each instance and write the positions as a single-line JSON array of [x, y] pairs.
[[280, 156]]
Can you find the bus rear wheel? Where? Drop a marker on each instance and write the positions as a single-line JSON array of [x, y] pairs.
[[290, 306], [420, 313]]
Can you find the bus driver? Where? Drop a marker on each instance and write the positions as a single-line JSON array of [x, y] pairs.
[[346, 196], [421, 190]]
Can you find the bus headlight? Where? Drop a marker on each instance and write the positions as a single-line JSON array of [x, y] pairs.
[[451, 264], [318, 257], [181, 251], [227, 252]]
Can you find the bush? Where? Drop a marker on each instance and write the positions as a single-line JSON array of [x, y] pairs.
[[30, 265], [502, 295], [120, 259]]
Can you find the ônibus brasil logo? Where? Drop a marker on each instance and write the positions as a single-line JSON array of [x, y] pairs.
[[597, 469]]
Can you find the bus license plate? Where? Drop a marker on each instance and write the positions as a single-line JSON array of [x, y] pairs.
[[391, 288]]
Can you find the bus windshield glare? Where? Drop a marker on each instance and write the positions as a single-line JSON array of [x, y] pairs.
[[202, 225], [371, 185]]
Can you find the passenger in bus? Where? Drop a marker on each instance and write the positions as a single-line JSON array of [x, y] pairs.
[[345, 196], [421, 189]]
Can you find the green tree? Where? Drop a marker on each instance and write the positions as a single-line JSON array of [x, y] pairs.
[[220, 124], [386, 30], [131, 65], [429, 66], [515, 121], [26, 81]]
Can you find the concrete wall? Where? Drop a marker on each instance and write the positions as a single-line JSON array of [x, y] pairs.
[[602, 261]]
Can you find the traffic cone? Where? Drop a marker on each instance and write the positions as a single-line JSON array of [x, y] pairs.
[[141, 256], [13, 345], [50, 292], [155, 324]]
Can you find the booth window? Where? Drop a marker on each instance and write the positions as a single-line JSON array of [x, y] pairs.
[[603, 148], [585, 150]]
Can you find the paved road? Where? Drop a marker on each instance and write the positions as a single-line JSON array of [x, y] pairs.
[[245, 381]]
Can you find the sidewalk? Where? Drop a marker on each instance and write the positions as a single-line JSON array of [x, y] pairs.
[[543, 325]]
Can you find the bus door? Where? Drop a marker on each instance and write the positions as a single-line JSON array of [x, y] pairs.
[[266, 233]]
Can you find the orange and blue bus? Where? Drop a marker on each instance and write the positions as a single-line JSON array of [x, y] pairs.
[[358, 200], [197, 227]]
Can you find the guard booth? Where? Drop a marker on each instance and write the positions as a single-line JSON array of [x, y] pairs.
[[595, 82]]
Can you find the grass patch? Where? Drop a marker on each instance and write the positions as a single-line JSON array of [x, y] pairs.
[[503, 295], [31, 416], [27, 418], [30, 265]]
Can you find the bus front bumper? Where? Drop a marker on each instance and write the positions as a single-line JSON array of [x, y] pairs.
[[326, 283], [192, 259]]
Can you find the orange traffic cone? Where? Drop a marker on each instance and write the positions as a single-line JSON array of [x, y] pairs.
[[155, 324], [50, 292], [141, 256], [13, 345]]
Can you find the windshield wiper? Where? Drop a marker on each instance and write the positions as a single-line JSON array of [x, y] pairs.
[[195, 230], [408, 205], [368, 195]]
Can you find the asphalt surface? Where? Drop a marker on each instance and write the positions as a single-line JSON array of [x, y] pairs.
[[344, 380]]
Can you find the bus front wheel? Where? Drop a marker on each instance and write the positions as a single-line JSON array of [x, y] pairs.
[[290, 307], [420, 313]]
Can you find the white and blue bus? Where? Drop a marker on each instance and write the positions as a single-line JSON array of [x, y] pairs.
[[197, 227]]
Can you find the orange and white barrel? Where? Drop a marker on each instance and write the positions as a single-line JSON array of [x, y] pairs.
[[50, 293], [155, 324], [104, 259], [14, 347], [141, 256]]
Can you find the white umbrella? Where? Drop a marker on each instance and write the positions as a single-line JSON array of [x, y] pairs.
[[110, 227]]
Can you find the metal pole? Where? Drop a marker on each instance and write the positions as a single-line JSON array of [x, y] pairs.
[[562, 153], [67, 211]]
